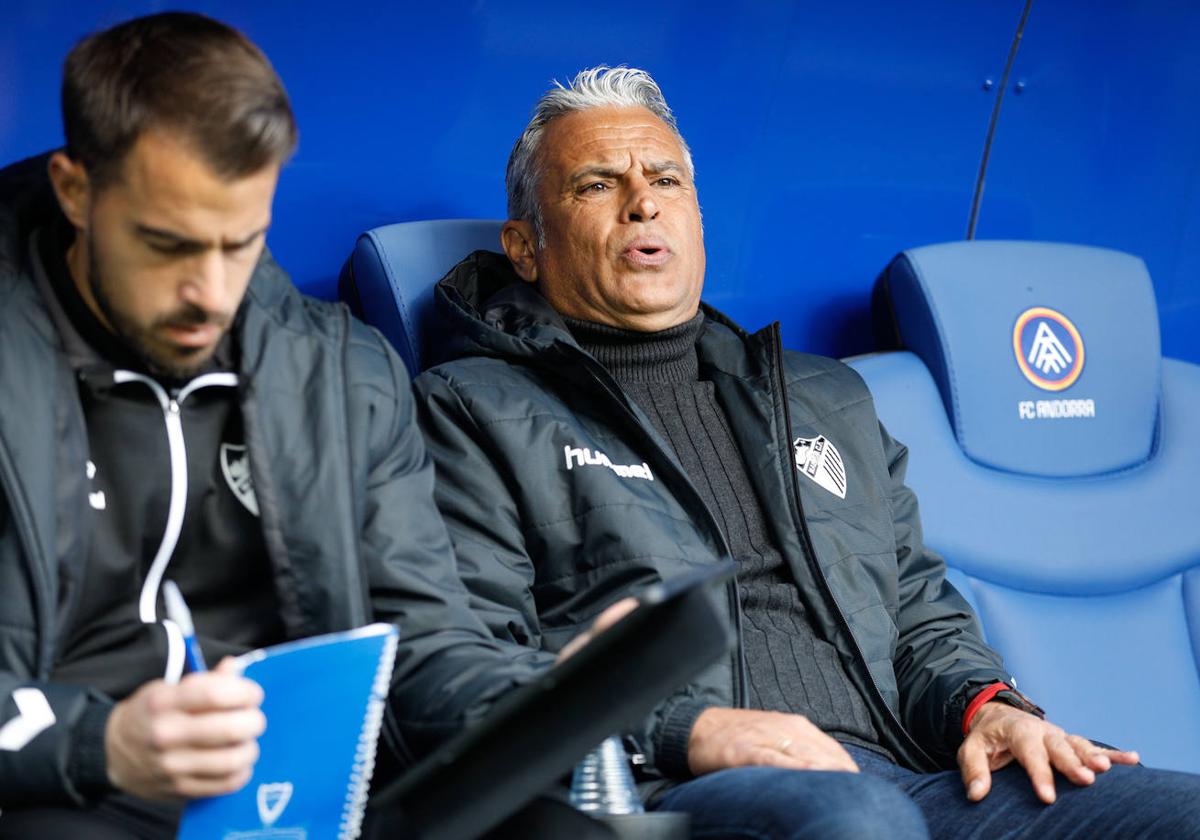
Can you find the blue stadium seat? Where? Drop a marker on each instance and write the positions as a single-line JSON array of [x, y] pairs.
[[1055, 454], [389, 278]]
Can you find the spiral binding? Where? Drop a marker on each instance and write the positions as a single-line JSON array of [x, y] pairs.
[[364, 754], [602, 782]]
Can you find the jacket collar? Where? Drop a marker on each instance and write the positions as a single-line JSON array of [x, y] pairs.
[[489, 311]]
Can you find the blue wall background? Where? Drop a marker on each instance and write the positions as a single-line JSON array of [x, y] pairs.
[[827, 136]]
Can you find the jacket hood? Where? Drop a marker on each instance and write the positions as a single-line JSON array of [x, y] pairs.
[[27, 202], [485, 309]]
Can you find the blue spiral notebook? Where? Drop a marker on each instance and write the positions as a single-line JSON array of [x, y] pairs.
[[324, 700]]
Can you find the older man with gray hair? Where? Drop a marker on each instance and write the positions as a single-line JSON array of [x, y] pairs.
[[596, 429]]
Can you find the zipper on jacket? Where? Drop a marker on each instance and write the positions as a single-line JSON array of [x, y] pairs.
[[35, 554], [612, 388], [296, 621], [811, 554], [170, 403]]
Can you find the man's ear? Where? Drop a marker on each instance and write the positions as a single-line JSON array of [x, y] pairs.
[[73, 188], [519, 239]]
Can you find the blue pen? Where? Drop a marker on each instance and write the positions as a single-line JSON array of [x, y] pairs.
[[177, 611]]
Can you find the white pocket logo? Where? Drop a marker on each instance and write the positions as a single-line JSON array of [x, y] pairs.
[[819, 459]]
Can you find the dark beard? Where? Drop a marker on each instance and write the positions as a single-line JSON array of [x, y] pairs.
[[138, 340]]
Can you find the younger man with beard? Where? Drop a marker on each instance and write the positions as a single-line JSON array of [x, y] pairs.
[[173, 408]]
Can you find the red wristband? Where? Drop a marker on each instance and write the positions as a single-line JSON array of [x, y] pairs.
[[977, 702]]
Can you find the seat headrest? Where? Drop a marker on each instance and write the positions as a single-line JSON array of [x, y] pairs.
[[389, 277], [1047, 355]]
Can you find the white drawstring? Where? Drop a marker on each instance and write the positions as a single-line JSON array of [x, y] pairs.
[[148, 602]]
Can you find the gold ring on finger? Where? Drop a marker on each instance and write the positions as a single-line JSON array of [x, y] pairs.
[[783, 745]]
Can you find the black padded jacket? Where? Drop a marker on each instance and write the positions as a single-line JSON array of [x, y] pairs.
[[561, 497]]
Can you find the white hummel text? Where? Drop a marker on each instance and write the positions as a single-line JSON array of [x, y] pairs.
[[586, 458], [1048, 353]]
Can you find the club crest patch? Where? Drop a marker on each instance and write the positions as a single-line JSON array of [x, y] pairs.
[[819, 459], [235, 466], [1048, 347]]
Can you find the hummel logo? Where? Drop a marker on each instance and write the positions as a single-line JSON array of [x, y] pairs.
[[586, 458], [33, 716], [1048, 354], [819, 459]]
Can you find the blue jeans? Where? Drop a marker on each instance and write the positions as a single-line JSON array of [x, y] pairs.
[[885, 800]]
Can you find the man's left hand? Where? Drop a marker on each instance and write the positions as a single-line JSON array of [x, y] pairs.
[[1000, 734]]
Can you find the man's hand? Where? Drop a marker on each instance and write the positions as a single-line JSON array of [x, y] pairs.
[[603, 621], [723, 738], [197, 738], [1001, 733]]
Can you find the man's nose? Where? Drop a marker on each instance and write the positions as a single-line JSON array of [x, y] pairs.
[[641, 205], [206, 285]]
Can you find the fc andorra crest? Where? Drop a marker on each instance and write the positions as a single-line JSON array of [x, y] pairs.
[[1048, 348], [819, 459]]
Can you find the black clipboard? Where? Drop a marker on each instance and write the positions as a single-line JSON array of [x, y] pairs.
[[535, 734]]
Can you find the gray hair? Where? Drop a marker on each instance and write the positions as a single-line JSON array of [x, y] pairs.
[[596, 87]]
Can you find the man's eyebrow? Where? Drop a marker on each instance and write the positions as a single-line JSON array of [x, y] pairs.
[[657, 167], [660, 166], [183, 241], [597, 171]]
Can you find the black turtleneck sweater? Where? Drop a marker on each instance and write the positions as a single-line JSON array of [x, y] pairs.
[[790, 667]]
